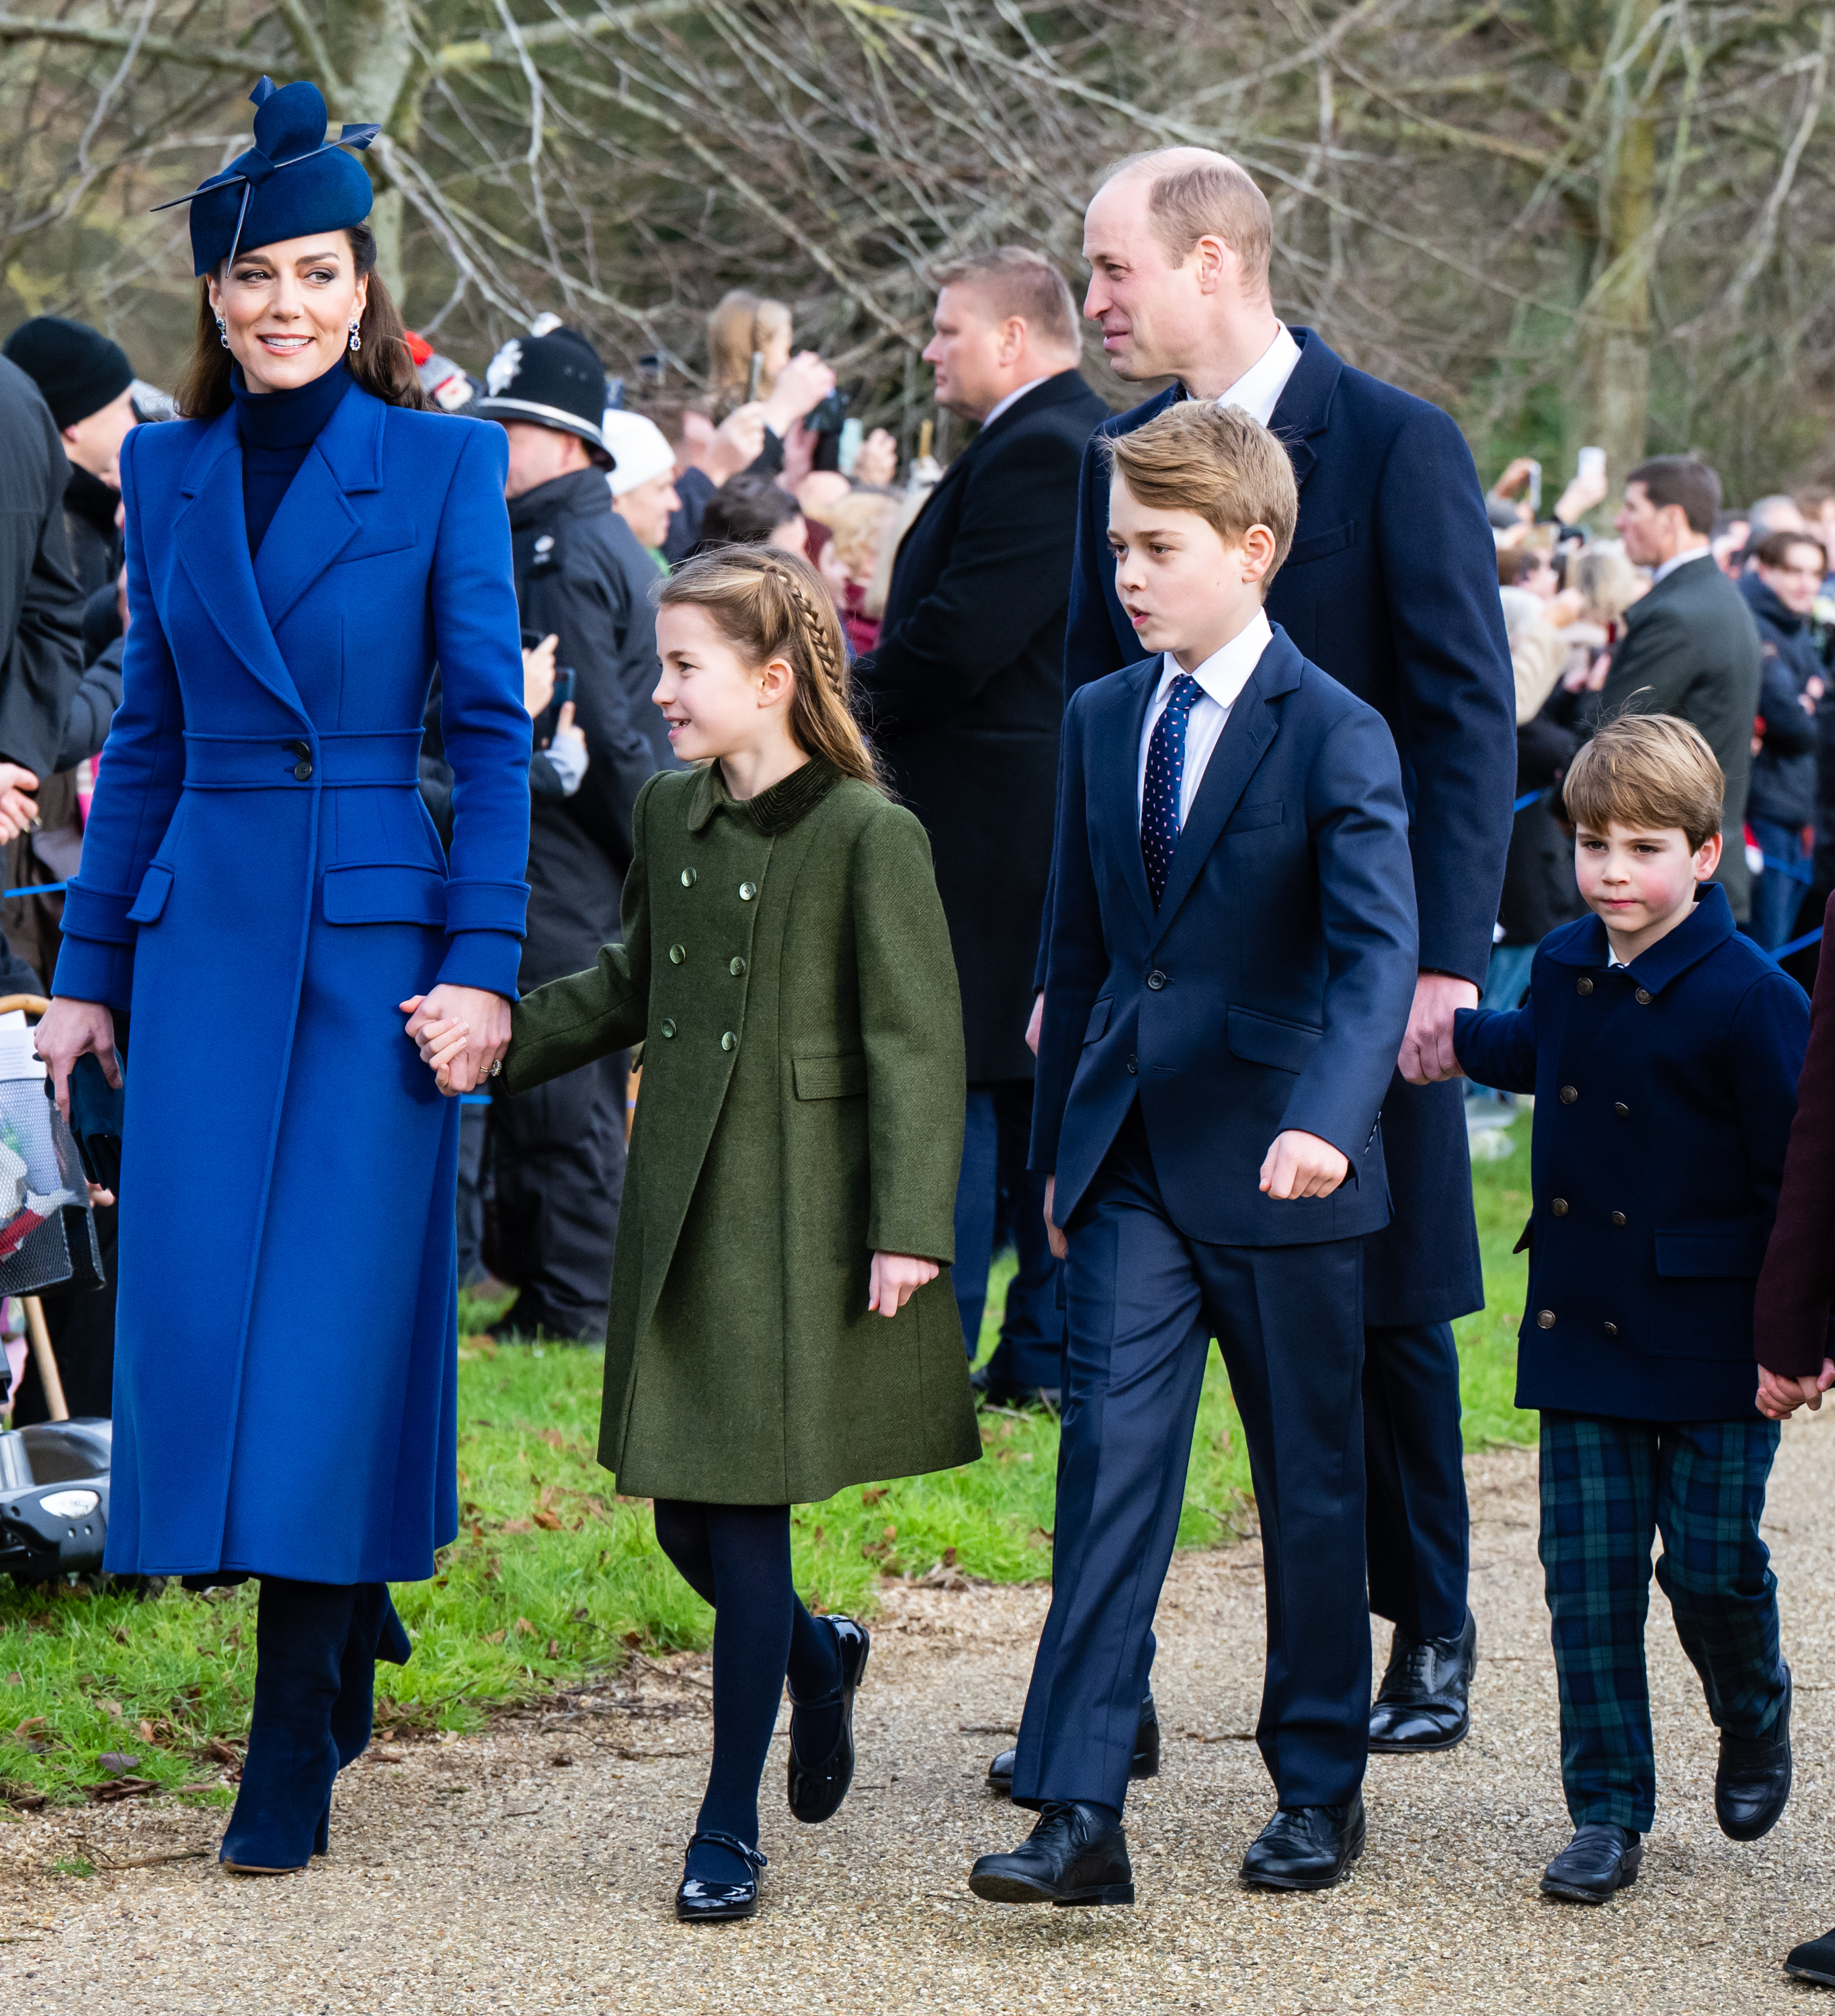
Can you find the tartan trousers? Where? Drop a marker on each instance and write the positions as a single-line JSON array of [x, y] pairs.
[[1608, 1487]]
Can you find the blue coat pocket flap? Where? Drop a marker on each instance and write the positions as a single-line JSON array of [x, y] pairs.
[[1318, 545], [1266, 1039], [829, 1077], [385, 893], [1698, 1254], [156, 885], [1253, 819], [1098, 1020]]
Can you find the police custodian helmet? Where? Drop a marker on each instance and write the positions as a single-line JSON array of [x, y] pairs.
[[553, 379]]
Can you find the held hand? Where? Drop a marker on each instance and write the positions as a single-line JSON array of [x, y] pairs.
[[19, 809], [1780, 1393], [1579, 498], [71, 1029], [801, 387], [1036, 1022], [458, 1066], [1514, 478], [738, 441], [1060, 1246], [1427, 1048], [538, 676], [877, 465], [1301, 1165], [894, 1279], [565, 731]]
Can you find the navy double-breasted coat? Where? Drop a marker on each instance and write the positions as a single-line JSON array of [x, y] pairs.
[[262, 886]]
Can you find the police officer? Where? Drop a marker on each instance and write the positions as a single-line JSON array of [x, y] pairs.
[[558, 1150]]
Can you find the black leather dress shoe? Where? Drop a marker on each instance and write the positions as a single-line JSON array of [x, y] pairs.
[[1752, 1785], [1600, 1859], [1072, 1856], [1423, 1702], [818, 1786], [1813, 1960], [701, 1903], [1305, 1848], [1144, 1763]]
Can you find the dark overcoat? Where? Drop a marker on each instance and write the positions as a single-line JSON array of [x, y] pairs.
[[1391, 587], [262, 884], [963, 695], [1663, 1092], [786, 966]]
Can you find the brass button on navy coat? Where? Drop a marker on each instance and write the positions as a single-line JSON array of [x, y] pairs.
[[262, 884]]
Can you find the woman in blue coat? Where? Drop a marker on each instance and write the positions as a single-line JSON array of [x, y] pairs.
[[262, 887]]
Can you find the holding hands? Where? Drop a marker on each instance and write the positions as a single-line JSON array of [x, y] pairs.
[[461, 1033], [1780, 1393]]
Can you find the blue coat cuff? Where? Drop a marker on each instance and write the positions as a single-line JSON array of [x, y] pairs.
[[101, 914], [489, 959], [486, 907], [90, 971]]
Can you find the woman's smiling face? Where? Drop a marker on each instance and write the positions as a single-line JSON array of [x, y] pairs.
[[287, 309]]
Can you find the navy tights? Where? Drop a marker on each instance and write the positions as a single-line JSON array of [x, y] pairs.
[[737, 1557]]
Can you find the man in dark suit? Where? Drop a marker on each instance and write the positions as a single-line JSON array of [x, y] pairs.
[[964, 696], [1690, 647], [1391, 587]]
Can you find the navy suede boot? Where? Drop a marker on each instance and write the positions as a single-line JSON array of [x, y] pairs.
[[301, 1631], [376, 1633]]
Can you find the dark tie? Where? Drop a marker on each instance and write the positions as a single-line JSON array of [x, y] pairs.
[[1166, 772]]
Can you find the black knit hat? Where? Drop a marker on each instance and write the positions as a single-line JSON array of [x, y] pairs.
[[554, 379], [76, 368]]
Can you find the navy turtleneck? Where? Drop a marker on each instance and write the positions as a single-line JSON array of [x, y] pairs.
[[278, 430]]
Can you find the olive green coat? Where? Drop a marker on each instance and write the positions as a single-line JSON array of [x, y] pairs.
[[787, 967]]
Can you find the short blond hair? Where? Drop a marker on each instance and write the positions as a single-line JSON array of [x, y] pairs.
[[858, 522], [1648, 771], [1216, 461], [1015, 280], [1195, 194]]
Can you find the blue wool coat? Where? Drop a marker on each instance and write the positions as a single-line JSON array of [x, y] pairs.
[[1664, 1091], [262, 886]]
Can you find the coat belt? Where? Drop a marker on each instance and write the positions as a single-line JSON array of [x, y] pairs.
[[296, 763]]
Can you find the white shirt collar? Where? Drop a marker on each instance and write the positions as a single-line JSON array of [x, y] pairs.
[[1258, 390], [1682, 560], [1013, 398], [1225, 673]]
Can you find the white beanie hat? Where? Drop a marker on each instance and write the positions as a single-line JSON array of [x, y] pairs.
[[638, 446]]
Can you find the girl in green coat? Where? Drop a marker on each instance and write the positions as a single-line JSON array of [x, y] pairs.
[[781, 1326]]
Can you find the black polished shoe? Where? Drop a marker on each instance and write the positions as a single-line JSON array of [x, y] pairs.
[[1072, 1856], [1752, 1785], [817, 1787], [1144, 1763], [1423, 1702], [1305, 1848], [1813, 1960], [1601, 1859], [701, 1903]]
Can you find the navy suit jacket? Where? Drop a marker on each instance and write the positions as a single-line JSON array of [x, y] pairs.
[[1391, 587], [1272, 988], [1664, 1091]]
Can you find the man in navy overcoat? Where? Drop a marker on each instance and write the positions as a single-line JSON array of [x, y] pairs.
[[1391, 587]]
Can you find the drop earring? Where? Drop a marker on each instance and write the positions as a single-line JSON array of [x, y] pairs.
[[222, 332], [356, 337]]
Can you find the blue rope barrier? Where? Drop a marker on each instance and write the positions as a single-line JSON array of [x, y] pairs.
[[1523, 803], [1795, 945], [1798, 871], [34, 889]]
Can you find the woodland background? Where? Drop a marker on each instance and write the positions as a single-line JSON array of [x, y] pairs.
[[1568, 220]]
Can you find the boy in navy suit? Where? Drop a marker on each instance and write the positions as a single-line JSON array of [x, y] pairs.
[[1664, 1049], [1231, 956]]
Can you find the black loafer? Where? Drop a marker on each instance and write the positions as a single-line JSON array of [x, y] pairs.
[[817, 1788], [1423, 1702], [699, 1903], [1813, 1960], [1600, 1859], [1305, 1848], [1072, 1856], [1144, 1763], [1752, 1785]]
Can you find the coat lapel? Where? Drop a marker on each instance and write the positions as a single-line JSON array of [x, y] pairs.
[[1117, 800], [1305, 409], [315, 521], [210, 537]]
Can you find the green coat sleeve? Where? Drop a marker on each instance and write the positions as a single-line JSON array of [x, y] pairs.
[[911, 1031], [592, 1014]]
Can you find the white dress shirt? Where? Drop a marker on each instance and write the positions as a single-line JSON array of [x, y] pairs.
[[1258, 390], [1681, 560], [1013, 399], [1223, 676]]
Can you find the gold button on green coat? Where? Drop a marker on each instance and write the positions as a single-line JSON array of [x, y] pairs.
[[677, 954], [741, 1365], [737, 967]]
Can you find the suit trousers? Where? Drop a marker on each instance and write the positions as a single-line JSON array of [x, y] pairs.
[[1609, 1487], [1144, 1303], [1419, 1528]]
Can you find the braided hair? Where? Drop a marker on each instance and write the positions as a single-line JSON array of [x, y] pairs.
[[770, 603]]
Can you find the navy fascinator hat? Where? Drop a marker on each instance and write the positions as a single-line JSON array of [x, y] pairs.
[[292, 182]]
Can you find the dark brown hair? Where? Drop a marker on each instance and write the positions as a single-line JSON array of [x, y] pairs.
[[1774, 549], [1684, 479], [382, 366]]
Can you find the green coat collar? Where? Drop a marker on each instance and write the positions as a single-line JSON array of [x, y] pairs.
[[772, 811]]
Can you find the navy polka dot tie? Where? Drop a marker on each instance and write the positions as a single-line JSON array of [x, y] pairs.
[[1166, 772]]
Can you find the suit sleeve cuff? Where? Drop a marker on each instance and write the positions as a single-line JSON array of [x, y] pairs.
[[486, 907], [489, 959], [100, 914]]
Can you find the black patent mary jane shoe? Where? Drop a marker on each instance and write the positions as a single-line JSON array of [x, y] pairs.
[[1305, 1848], [1072, 1856], [1752, 1785], [1144, 1763], [699, 1902], [1600, 1860], [1424, 1701], [818, 1785], [1813, 1960]]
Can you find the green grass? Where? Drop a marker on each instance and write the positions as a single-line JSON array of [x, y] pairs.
[[554, 1575]]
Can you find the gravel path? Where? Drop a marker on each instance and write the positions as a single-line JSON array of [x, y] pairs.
[[530, 1871]]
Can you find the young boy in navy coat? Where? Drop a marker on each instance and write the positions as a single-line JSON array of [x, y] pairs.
[[1230, 957], [1663, 1050]]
